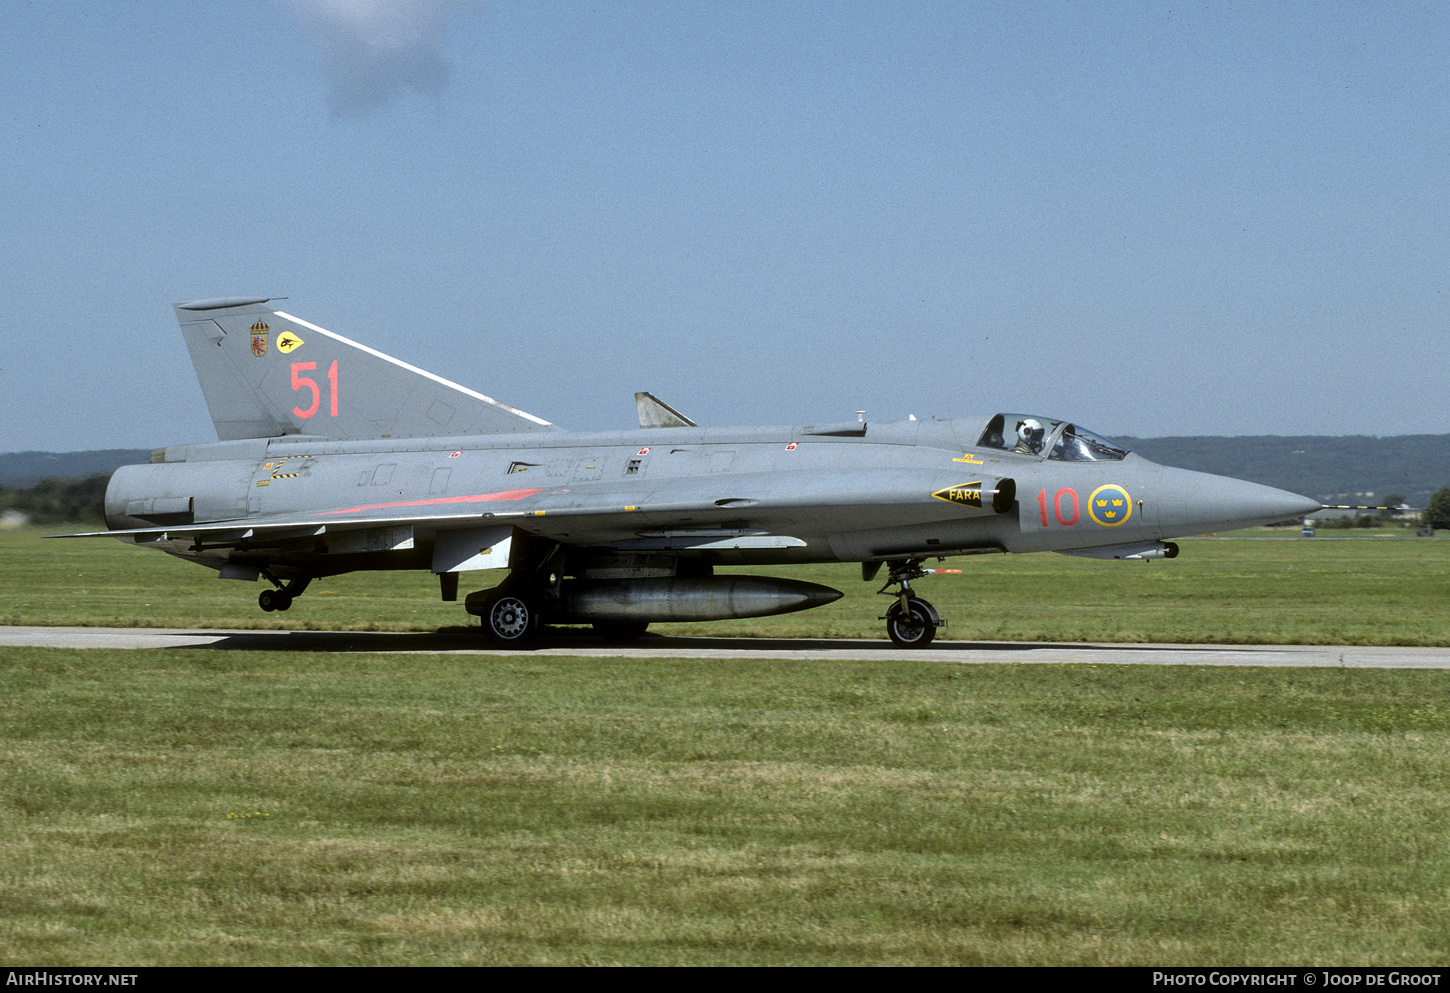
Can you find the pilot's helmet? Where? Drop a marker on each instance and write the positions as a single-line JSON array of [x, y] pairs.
[[1030, 431]]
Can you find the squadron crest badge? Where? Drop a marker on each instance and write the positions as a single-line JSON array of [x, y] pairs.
[[259, 338]]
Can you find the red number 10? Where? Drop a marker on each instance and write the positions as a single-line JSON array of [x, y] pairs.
[[298, 382], [1062, 518]]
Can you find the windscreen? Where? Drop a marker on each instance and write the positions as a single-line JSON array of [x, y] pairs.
[[1075, 444], [1030, 434]]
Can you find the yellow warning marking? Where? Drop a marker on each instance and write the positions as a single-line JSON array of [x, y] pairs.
[[274, 466], [968, 494], [969, 458], [287, 341]]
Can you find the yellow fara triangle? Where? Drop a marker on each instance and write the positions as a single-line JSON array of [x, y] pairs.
[[969, 494], [287, 341]]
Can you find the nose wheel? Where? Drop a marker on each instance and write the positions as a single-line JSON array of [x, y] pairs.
[[913, 627], [911, 621]]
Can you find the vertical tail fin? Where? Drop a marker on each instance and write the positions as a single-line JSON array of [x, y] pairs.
[[266, 374]]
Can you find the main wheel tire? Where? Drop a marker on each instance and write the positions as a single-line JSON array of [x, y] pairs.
[[914, 630], [510, 621], [621, 632]]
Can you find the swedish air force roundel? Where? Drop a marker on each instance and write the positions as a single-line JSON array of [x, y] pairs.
[[1110, 505]]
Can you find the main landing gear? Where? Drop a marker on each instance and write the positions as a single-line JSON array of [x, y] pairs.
[[512, 613], [510, 619], [281, 598], [911, 621]]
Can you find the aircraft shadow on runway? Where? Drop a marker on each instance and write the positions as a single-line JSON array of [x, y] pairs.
[[446, 641]]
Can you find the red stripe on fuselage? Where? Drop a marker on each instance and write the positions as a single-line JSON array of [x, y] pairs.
[[436, 501]]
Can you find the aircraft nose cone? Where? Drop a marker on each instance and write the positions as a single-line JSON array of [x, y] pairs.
[[1197, 502]]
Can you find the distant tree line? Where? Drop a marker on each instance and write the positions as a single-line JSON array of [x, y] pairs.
[[1437, 515], [53, 501], [19, 470]]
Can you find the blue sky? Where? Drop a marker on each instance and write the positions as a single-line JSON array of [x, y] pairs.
[[1150, 218]]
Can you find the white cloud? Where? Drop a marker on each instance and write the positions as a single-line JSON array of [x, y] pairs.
[[373, 49]]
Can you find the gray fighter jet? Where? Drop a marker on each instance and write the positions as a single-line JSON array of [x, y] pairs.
[[334, 458]]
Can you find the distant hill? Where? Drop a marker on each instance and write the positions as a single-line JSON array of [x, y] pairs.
[[1350, 469], [21, 470]]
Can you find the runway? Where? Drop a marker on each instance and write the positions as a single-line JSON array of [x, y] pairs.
[[565, 643]]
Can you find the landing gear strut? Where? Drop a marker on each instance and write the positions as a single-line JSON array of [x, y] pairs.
[[281, 598], [911, 621]]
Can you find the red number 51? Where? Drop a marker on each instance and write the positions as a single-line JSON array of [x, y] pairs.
[[298, 382]]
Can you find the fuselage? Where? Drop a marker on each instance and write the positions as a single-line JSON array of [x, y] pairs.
[[748, 495]]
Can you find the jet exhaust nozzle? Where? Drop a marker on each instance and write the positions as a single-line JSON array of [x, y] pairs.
[[705, 599], [1004, 496]]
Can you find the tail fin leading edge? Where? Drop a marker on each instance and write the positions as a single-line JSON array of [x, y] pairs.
[[266, 374]]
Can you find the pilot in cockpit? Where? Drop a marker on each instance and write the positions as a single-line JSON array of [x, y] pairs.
[[1029, 436]]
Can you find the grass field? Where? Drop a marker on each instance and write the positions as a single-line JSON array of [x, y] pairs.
[[225, 807], [1283, 590], [207, 807]]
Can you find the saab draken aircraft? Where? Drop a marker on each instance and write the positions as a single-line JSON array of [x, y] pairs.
[[335, 458]]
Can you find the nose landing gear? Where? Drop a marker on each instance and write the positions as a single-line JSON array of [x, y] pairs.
[[911, 621]]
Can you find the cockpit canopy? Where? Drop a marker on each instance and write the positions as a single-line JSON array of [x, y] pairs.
[[1028, 434]]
